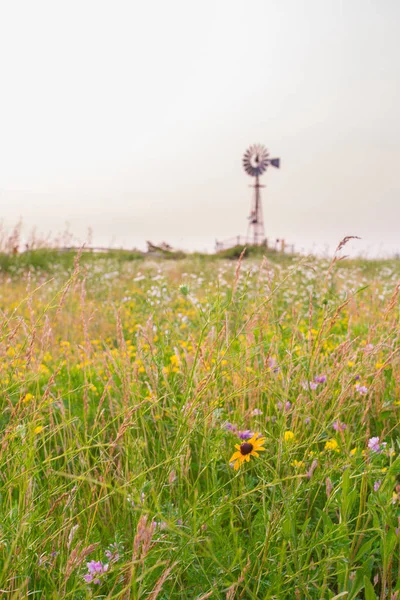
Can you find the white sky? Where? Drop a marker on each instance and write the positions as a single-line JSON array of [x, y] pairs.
[[132, 118]]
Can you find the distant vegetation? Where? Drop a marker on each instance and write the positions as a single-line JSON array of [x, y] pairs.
[[48, 259], [52, 259], [49, 254]]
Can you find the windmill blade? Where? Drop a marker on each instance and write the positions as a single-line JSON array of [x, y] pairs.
[[275, 162]]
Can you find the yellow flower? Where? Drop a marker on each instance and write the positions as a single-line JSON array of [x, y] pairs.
[[297, 464], [353, 451], [350, 363], [332, 445], [249, 448], [288, 436], [379, 365], [38, 429], [28, 397]]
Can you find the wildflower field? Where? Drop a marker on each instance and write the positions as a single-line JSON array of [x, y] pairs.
[[195, 428]]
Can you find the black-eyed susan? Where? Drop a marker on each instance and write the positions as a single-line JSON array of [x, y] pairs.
[[249, 448]]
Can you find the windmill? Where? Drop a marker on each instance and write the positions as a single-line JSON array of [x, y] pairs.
[[255, 162]]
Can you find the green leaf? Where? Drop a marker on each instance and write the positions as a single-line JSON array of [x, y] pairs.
[[364, 549], [369, 590]]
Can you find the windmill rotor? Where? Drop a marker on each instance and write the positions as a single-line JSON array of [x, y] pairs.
[[256, 160]]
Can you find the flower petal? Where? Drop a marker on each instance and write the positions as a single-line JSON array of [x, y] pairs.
[[259, 442], [235, 456]]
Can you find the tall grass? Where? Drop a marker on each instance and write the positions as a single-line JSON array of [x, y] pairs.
[[124, 386]]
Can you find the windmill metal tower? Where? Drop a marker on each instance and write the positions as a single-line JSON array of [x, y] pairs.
[[255, 162]]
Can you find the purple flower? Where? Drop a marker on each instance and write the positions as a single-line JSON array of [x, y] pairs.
[[357, 377], [361, 389], [339, 426], [256, 412], [245, 435], [95, 567], [288, 405], [272, 365], [309, 385], [159, 524], [230, 427], [375, 445], [112, 553], [320, 379], [377, 485]]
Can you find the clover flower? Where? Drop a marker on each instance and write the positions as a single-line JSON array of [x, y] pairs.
[[246, 434], [112, 553], [287, 406], [272, 365], [339, 426], [159, 524], [256, 412], [361, 389], [230, 427], [375, 445], [95, 568], [309, 385]]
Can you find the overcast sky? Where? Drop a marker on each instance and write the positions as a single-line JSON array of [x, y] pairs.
[[131, 117]]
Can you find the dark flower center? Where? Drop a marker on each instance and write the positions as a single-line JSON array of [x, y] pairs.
[[246, 448]]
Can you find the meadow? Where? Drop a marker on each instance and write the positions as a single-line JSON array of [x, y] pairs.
[[197, 428]]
